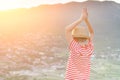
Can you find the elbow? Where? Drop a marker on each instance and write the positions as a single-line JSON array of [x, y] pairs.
[[91, 32], [67, 29]]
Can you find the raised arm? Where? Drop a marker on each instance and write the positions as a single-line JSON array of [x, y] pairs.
[[90, 28], [89, 25], [69, 29]]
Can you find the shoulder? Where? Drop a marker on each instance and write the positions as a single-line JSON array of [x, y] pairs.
[[72, 44], [90, 41]]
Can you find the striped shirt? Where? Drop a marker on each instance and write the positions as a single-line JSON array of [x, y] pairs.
[[78, 64]]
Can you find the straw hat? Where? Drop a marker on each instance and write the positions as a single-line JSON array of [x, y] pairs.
[[80, 32]]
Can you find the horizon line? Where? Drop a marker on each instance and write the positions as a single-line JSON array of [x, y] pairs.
[[53, 4]]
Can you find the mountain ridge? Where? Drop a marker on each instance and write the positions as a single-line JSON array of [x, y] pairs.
[[54, 18]]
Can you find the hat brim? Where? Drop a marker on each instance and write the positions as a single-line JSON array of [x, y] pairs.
[[80, 36]]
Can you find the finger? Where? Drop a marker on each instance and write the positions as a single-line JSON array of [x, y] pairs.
[[82, 9], [85, 9]]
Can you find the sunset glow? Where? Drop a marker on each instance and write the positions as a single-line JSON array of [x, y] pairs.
[[13, 4], [8, 4]]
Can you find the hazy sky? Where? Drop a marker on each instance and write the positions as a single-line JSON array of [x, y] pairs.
[[11, 4]]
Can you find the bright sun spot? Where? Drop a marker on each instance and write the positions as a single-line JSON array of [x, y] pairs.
[[8, 4], [13, 4]]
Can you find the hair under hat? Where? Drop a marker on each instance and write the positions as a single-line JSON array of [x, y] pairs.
[[80, 32]]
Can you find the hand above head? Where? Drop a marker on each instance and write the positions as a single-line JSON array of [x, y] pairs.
[[83, 17], [84, 14]]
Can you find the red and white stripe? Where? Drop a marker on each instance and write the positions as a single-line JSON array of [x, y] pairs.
[[78, 65]]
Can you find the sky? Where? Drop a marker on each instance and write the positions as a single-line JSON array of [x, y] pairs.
[[13, 4]]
